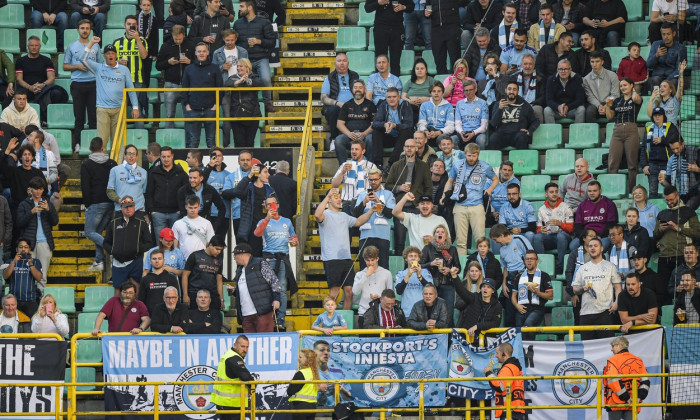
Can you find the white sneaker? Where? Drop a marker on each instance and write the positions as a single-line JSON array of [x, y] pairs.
[[76, 149], [97, 266]]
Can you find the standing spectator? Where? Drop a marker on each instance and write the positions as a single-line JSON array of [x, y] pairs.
[[111, 79], [430, 312], [257, 291], [256, 35], [174, 260], [436, 116], [377, 230], [600, 85], [49, 13], [530, 294], [635, 234], [203, 272], [392, 127], [687, 304], [596, 212], [371, 281], [467, 188], [245, 104], [647, 210], [528, 12], [226, 9], [512, 55], [420, 227], [548, 57], [625, 137], [668, 97], [23, 275], [566, 97], [128, 180], [655, 150], [575, 186], [555, 225], [680, 172], [665, 11], [471, 118], [192, 232], [269, 8], [581, 59], [215, 175], [126, 239], [226, 58], [245, 158], [675, 227], [449, 154], [598, 284], [170, 316], [665, 56], [633, 67], [608, 17], [156, 281], [200, 74], [411, 280], [440, 257], [164, 204], [690, 263], [513, 249], [455, 83], [379, 83], [132, 50], [505, 31], [49, 319], [476, 53], [285, 188], [490, 266], [208, 25], [7, 79], [445, 32], [570, 14], [93, 10], [148, 25], [636, 304], [547, 31], [412, 21], [82, 87], [383, 312], [388, 28], [177, 17], [174, 56], [209, 199], [439, 177], [204, 319], [577, 258], [514, 119], [18, 177], [153, 155], [480, 14], [124, 312], [338, 89]]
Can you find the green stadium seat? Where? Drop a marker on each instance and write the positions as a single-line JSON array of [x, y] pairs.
[[36, 107], [64, 141], [643, 116], [362, 61], [546, 263], [622, 206], [594, 157], [557, 294], [138, 137], [351, 38], [659, 202], [667, 315], [408, 57], [690, 49], [693, 89], [153, 96], [109, 35], [689, 108], [18, 1], [89, 351], [608, 134], [563, 316], [9, 41], [616, 55], [430, 59], [582, 136], [86, 320], [370, 43], [396, 264], [525, 162], [532, 186], [86, 137], [173, 137], [61, 116], [614, 185], [178, 114], [69, 37], [643, 180], [65, 84], [65, 297], [62, 74], [47, 37], [577, 337], [547, 136], [96, 297], [117, 13], [492, 157], [636, 31], [348, 316], [12, 16], [366, 19], [634, 10], [84, 375], [405, 78], [562, 276], [559, 161], [690, 131], [545, 337]]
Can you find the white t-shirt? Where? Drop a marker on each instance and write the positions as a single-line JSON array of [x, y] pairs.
[[247, 305], [192, 234], [662, 6], [232, 57], [419, 226], [11, 322], [601, 277]]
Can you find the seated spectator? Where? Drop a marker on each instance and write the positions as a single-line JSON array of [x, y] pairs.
[[417, 89], [471, 121], [455, 83], [620, 251], [633, 67], [668, 98], [371, 281], [518, 215], [423, 151], [600, 85], [665, 11], [474, 57], [23, 275], [635, 235], [529, 87], [354, 123], [493, 87], [18, 177], [173, 259], [478, 311], [377, 231], [193, 232], [7, 79], [210, 199], [337, 89], [204, 319], [203, 74], [690, 263], [480, 14], [170, 316], [49, 319], [596, 212], [505, 31], [565, 95], [636, 304], [680, 172], [581, 59], [575, 186], [411, 280], [383, 313], [156, 281], [94, 11], [440, 256], [530, 294], [203, 272], [687, 307], [514, 121], [555, 225], [547, 31], [392, 126], [124, 312], [647, 210], [49, 13], [654, 153], [513, 262], [175, 54], [608, 17], [528, 12], [12, 320], [329, 321], [650, 279], [570, 14], [429, 313], [379, 83], [353, 175], [36, 216], [437, 117], [512, 55], [18, 114], [490, 266], [420, 226], [448, 154], [665, 55], [548, 57]]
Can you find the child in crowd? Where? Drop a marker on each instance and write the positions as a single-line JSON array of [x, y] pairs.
[[410, 281], [447, 154], [633, 67], [329, 321]]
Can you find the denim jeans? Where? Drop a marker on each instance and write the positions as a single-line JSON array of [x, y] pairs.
[[282, 277], [447, 292], [194, 128], [560, 241], [342, 147], [142, 104], [612, 39], [171, 100], [411, 22], [653, 177], [97, 217], [694, 10], [226, 112], [99, 20], [61, 23], [160, 221], [531, 318], [262, 69]]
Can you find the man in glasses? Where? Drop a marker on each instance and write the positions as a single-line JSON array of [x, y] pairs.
[[530, 293], [566, 97], [471, 118], [128, 180], [337, 89], [375, 232]]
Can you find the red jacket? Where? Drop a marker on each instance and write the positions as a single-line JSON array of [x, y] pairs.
[[634, 69]]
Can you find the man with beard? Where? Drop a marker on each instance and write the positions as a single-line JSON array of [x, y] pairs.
[[439, 177], [596, 212], [681, 170], [637, 304], [581, 61], [355, 122], [512, 55], [245, 160], [690, 255], [124, 312], [549, 56], [518, 214], [352, 175], [392, 127], [326, 398], [505, 30], [499, 197], [515, 121], [555, 224]]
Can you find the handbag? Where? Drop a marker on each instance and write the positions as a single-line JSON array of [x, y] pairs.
[[242, 111]]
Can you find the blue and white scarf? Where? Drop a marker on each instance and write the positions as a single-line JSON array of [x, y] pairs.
[[502, 33], [579, 260], [134, 175], [679, 173], [525, 297], [531, 93], [489, 93], [621, 261], [483, 261], [552, 29], [356, 175]]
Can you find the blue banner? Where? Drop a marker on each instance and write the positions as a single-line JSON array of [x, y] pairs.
[[469, 361], [406, 357]]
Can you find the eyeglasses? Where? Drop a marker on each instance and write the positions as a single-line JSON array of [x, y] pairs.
[[564, 69], [130, 154]]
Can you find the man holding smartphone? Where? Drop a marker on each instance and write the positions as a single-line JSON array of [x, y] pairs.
[[675, 226], [25, 272], [132, 50]]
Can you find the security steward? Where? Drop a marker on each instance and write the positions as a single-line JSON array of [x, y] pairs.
[[510, 367], [232, 367], [305, 396], [619, 390]]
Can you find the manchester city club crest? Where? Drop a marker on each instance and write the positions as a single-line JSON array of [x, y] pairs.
[[573, 389], [461, 365], [195, 397], [381, 391]]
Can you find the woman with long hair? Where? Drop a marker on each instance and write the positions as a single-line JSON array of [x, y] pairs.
[[417, 90], [647, 210], [174, 258], [454, 83], [440, 256], [625, 137], [49, 319], [473, 277], [304, 396], [668, 96], [634, 233]]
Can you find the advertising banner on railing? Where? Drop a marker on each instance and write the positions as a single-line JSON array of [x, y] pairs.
[[405, 357], [468, 361], [191, 358], [31, 361], [684, 354]]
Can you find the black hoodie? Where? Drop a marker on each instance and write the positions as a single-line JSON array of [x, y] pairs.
[[514, 117], [204, 25]]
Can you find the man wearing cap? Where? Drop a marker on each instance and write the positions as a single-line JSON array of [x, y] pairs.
[[257, 291], [173, 258], [156, 281], [112, 78], [420, 226], [203, 272], [655, 149], [126, 239]]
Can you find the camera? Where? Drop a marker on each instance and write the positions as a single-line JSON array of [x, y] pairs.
[[26, 256], [369, 191], [132, 28], [92, 10]]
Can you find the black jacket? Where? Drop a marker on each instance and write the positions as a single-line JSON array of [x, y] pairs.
[[203, 25], [260, 28], [581, 63], [657, 153], [637, 237], [385, 15], [7, 132], [94, 177], [49, 6], [372, 320], [248, 99], [546, 62], [162, 320], [657, 284], [127, 241], [162, 187], [27, 223], [209, 197], [680, 304], [473, 54], [268, 8], [575, 15], [335, 86], [419, 315], [263, 291], [675, 279], [430, 253], [405, 116], [488, 18], [153, 286], [171, 21], [17, 178], [245, 190], [201, 74], [518, 115], [473, 309], [493, 266], [445, 12], [103, 5], [199, 318], [173, 74], [286, 191], [572, 94]]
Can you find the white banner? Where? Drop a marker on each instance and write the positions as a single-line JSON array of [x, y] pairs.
[[589, 357]]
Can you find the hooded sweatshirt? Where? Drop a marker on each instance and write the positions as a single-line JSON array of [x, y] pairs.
[[201, 74], [19, 119], [440, 117], [94, 173], [575, 189], [559, 211], [204, 25], [515, 117]]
